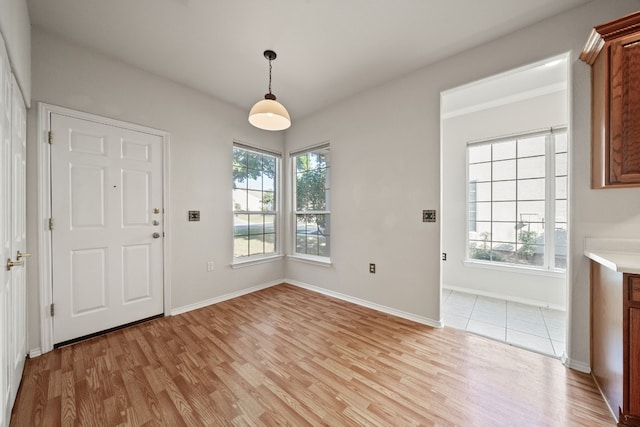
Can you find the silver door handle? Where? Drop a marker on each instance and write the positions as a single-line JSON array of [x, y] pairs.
[[22, 255], [156, 235], [13, 264]]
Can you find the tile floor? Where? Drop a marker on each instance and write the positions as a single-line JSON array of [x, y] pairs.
[[534, 328]]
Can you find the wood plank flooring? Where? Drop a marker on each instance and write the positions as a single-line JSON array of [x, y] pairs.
[[288, 356]]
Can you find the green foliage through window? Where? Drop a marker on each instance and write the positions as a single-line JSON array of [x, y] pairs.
[[254, 203], [312, 225]]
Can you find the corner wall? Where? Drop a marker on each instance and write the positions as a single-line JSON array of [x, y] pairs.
[[386, 168], [202, 132]]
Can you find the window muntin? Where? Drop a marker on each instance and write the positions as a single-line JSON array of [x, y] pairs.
[[255, 203], [311, 195], [518, 190]]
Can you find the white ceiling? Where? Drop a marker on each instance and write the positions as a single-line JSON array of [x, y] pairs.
[[327, 50]]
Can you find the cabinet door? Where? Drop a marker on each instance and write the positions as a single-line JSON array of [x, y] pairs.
[[624, 148], [634, 361]]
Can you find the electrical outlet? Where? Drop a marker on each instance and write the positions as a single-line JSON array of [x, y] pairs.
[[372, 268], [444, 256], [210, 266]]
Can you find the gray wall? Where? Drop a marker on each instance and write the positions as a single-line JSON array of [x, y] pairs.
[[16, 30], [386, 169], [202, 133]]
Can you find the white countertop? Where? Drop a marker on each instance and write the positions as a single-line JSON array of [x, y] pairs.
[[621, 255]]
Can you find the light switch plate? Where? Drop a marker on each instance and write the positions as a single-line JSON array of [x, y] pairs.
[[429, 215]]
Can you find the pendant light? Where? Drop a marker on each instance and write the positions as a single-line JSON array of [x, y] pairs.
[[269, 114]]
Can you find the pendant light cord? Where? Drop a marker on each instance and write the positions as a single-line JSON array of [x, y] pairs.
[[269, 76]]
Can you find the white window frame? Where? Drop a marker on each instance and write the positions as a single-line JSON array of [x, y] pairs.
[[293, 254], [548, 267], [243, 261]]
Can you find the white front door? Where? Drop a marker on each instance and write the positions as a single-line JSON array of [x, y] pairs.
[[106, 204]]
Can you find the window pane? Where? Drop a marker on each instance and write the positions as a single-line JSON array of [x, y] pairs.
[[239, 177], [256, 245], [479, 153], [531, 167], [254, 200], [254, 181], [240, 225], [504, 211], [561, 164], [256, 225], [504, 150], [483, 191], [268, 201], [504, 169], [531, 211], [254, 190], [531, 189], [534, 146], [507, 213], [504, 232], [561, 211], [268, 182], [561, 187], [239, 158], [240, 200], [504, 190], [483, 211], [480, 172], [312, 194], [561, 142]]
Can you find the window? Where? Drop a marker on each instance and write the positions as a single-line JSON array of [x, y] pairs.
[[517, 193], [255, 202], [311, 202]]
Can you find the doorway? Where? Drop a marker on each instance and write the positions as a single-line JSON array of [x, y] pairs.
[[103, 200], [505, 153]]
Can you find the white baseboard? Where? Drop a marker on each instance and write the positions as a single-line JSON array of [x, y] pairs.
[[384, 309], [505, 297], [35, 352], [576, 364], [210, 301]]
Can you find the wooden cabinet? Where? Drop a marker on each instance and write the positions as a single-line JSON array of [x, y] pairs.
[[613, 51], [631, 331], [615, 340]]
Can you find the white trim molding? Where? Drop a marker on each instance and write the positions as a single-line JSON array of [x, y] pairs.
[[225, 297], [384, 309], [43, 150], [528, 301]]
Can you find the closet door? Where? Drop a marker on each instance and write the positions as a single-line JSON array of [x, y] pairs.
[[12, 238], [5, 237], [18, 303]]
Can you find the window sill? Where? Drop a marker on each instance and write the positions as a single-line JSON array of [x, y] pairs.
[[322, 262], [515, 269], [255, 261]]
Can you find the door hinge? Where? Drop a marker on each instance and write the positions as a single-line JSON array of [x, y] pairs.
[[50, 138], [52, 310], [50, 223]]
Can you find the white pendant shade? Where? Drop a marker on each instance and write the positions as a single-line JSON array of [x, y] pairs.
[[269, 114]]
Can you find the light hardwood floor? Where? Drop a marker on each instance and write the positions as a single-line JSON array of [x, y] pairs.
[[288, 356]]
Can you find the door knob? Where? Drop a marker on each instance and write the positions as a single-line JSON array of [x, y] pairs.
[[13, 264], [156, 235], [22, 255]]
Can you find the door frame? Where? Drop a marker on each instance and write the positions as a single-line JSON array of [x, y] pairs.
[[45, 273]]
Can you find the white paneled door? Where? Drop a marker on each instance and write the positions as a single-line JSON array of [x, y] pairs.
[[13, 343], [106, 206]]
